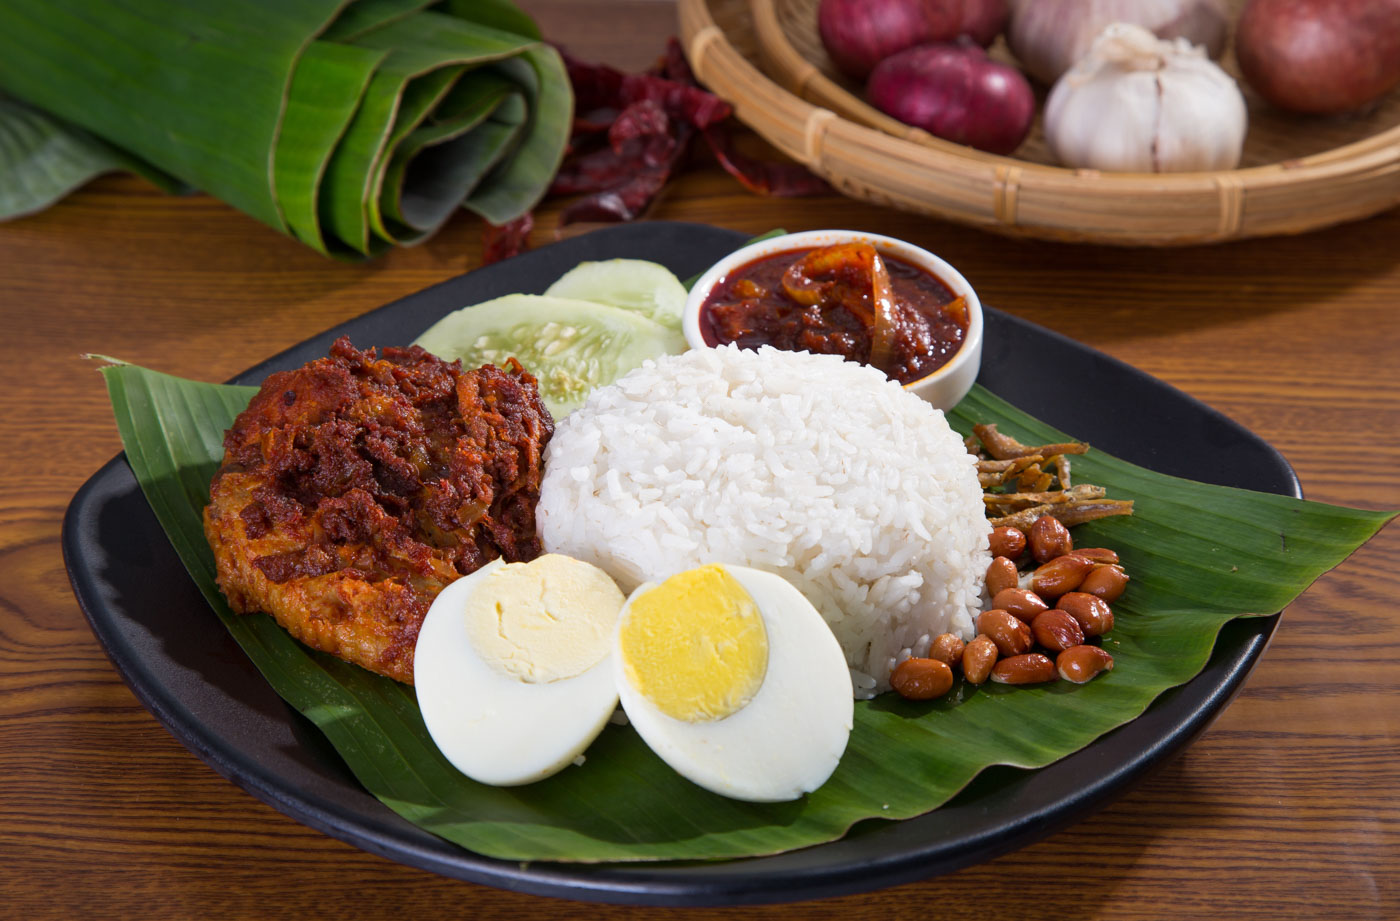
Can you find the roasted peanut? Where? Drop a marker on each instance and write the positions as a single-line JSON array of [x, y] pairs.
[[978, 659], [1060, 575], [1001, 574], [1011, 634], [1106, 580], [1032, 668], [1049, 538], [1097, 554], [921, 679], [1008, 542], [1094, 615], [946, 648], [1056, 630], [1020, 602], [1081, 664]]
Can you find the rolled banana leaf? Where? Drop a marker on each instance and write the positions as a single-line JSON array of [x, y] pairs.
[[350, 126]]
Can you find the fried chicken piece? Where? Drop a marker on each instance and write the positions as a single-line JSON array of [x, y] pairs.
[[355, 488]]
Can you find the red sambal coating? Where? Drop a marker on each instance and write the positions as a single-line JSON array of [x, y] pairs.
[[355, 488], [844, 299]]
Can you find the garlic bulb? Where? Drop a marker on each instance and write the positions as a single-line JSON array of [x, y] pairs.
[[1048, 36], [1138, 103]]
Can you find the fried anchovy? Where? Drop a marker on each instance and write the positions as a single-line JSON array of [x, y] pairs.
[[1069, 513], [1003, 447], [996, 472], [1011, 501]]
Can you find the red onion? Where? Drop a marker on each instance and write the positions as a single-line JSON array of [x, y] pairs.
[[957, 93], [858, 34], [1320, 56], [983, 20]]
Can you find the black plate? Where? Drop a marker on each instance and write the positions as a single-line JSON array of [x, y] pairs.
[[187, 670]]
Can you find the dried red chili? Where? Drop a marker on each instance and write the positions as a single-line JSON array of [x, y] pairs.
[[764, 177], [508, 239], [631, 133]]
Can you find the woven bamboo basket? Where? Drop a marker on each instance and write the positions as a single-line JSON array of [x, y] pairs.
[[1297, 174]]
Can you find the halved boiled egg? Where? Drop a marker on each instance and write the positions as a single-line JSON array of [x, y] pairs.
[[513, 667], [735, 680]]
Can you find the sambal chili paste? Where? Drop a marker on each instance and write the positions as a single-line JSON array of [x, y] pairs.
[[844, 299]]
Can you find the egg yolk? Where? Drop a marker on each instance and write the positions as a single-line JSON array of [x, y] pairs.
[[541, 621], [695, 646]]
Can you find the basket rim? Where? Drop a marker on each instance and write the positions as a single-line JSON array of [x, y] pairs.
[[1018, 198], [780, 53]]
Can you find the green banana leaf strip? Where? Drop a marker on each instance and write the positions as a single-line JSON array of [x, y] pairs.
[[356, 20], [195, 87], [498, 14], [416, 47], [421, 98], [464, 104], [42, 159], [1200, 556], [367, 15], [476, 95], [545, 142], [438, 179], [525, 176], [552, 104], [349, 175], [329, 82]]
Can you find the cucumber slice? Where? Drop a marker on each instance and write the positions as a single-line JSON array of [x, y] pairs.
[[632, 284], [570, 346]]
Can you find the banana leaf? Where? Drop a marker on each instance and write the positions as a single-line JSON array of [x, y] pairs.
[[294, 112], [42, 159], [457, 163], [327, 88], [368, 15], [474, 99], [548, 125], [1199, 555]]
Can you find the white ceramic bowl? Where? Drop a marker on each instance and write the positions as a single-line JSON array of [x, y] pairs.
[[944, 387]]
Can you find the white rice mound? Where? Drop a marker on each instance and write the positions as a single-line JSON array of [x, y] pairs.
[[819, 469]]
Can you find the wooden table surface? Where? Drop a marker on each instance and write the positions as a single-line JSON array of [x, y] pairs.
[[1288, 807]]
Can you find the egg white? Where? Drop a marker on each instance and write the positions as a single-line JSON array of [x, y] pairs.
[[492, 727], [790, 736]]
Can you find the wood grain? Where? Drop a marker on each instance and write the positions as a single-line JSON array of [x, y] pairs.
[[1287, 808]]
